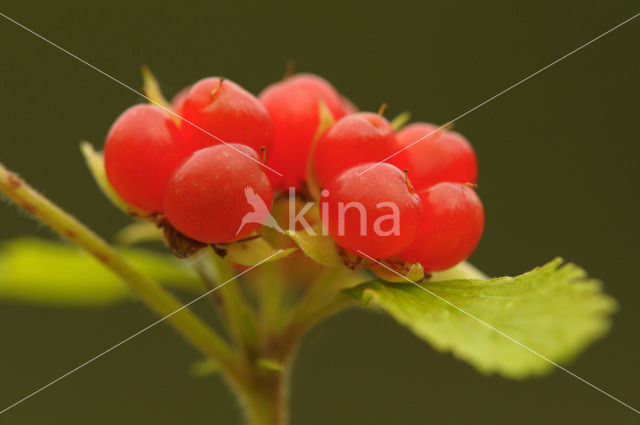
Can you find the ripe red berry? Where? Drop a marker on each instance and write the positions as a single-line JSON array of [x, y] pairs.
[[219, 194], [355, 139], [444, 156], [293, 107], [377, 212], [225, 110], [141, 151], [452, 224]]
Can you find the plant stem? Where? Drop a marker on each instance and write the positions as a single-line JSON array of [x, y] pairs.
[[323, 291], [240, 317], [188, 324], [271, 292], [320, 289], [266, 393], [267, 398]]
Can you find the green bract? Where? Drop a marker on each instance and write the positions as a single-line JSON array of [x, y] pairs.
[[95, 163], [251, 252], [320, 248]]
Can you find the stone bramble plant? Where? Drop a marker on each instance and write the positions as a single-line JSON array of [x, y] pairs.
[[286, 209]]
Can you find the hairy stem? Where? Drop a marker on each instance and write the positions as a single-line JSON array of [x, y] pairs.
[[188, 324]]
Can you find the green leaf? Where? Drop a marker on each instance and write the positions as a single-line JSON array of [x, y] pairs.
[[400, 120], [203, 368], [48, 273], [456, 272], [251, 252], [554, 310], [270, 365], [95, 163], [152, 90], [138, 232], [326, 120], [318, 247]]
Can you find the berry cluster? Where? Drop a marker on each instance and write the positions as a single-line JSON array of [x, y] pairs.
[[436, 219], [207, 170], [194, 169]]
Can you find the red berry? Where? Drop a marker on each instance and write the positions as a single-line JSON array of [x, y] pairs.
[[141, 151], [377, 212], [354, 139], [293, 107], [444, 156], [452, 224], [228, 113], [210, 194]]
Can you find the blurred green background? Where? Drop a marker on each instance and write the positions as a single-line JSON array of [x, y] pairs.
[[559, 161]]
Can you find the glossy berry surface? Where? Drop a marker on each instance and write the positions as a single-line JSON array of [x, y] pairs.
[[293, 105], [354, 139], [214, 190], [225, 110], [444, 156], [141, 151], [376, 213], [452, 224]]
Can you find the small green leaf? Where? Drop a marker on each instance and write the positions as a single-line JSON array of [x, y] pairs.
[[270, 365], [203, 368], [404, 272], [326, 121], [400, 120], [152, 90], [554, 310], [251, 252], [95, 162], [138, 232], [320, 248], [41, 272]]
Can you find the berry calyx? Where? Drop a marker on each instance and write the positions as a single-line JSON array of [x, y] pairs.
[[218, 111], [444, 156], [141, 151], [293, 107], [451, 227], [375, 212], [219, 194], [355, 139]]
